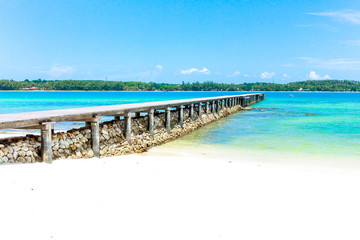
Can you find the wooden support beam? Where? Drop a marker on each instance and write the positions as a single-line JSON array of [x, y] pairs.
[[181, 116], [207, 108], [213, 107], [137, 114], [32, 127], [200, 109], [192, 112], [127, 126], [167, 119], [95, 139], [117, 118], [151, 122], [46, 148], [218, 107]]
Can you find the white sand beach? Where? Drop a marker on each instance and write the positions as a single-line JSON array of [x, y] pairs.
[[179, 194]]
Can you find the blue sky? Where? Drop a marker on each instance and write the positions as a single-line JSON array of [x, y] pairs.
[[174, 41]]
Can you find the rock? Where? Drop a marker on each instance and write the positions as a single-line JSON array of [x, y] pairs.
[[67, 145], [5, 151], [2, 146], [104, 132], [10, 149], [22, 153], [20, 159], [78, 153], [28, 159], [90, 153], [16, 148], [56, 147], [29, 153], [62, 146], [4, 159], [73, 147]]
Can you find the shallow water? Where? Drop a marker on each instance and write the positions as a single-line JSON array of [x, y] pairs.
[[308, 124]]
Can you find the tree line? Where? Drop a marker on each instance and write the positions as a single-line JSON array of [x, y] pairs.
[[100, 85]]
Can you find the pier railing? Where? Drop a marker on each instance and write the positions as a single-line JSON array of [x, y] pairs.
[[45, 120]]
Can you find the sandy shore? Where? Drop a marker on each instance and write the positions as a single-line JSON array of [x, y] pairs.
[[179, 194]]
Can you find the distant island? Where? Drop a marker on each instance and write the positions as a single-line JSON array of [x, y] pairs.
[[100, 85]]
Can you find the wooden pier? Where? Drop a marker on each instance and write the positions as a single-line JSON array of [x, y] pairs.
[[45, 120]]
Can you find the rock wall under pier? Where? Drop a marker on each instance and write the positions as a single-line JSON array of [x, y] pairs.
[[76, 143]]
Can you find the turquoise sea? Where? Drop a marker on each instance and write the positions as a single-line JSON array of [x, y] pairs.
[[308, 123]]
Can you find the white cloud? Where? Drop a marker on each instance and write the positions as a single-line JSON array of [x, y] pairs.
[[333, 64], [286, 75], [58, 71], [343, 16], [195, 70], [246, 75], [159, 67], [234, 74], [314, 76], [353, 42], [265, 75]]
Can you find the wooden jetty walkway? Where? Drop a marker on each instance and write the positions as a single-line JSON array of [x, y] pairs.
[[45, 120]]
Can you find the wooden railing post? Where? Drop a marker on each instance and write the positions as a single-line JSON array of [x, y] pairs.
[[151, 122], [181, 116], [213, 107], [127, 126], [200, 109], [167, 119], [207, 108], [192, 111], [46, 148], [95, 140]]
